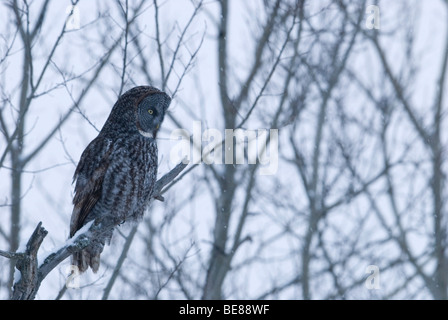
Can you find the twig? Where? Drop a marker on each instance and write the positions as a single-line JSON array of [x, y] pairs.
[[120, 262], [159, 44]]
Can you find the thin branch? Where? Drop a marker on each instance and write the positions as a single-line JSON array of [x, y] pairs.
[[266, 82], [261, 45], [179, 43], [120, 262], [11, 255], [174, 271], [159, 44], [187, 67], [125, 49], [399, 90], [81, 97]]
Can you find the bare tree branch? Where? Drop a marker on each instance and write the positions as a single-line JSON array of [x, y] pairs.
[[32, 273]]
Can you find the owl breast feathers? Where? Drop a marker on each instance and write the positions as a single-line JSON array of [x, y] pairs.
[[117, 171]]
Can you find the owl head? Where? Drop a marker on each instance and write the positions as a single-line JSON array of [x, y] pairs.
[[150, 113], [139, 110]]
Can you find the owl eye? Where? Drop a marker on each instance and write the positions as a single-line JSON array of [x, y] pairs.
[[150, 111]]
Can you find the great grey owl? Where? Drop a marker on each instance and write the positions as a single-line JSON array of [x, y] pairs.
[[117, 171]]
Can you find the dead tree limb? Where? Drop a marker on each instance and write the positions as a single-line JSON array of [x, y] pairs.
[[32, 273]]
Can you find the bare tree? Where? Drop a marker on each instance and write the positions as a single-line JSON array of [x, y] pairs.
[[30, 92], [15, 131], [428, 125], [359, 109]]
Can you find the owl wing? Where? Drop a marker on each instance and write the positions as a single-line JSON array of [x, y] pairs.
[[89, 176]]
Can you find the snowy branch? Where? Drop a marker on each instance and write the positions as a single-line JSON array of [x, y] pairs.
[[32, 274]]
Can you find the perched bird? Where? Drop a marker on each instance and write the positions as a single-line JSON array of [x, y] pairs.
[[117, 171]]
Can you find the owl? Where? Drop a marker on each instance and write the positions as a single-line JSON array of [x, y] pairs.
[[117, 171]]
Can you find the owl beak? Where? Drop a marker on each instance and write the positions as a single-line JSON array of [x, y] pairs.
[[154, 134]]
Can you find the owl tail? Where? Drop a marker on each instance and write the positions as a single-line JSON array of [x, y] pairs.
[[90, 256]]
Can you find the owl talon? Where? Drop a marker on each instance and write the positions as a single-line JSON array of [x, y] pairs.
[[160, 198]]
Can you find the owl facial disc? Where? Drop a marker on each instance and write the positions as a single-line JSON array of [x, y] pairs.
[[150, 113]]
